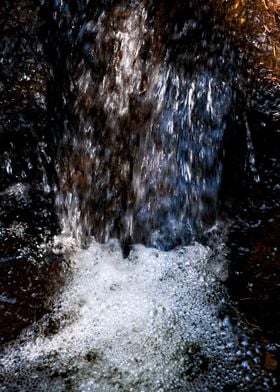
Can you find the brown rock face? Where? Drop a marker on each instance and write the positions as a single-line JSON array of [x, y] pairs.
[[255, 26]]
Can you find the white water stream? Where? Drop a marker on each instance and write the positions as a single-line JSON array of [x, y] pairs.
[[146, 323]]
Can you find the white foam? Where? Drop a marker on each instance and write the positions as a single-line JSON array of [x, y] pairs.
[[146, 323]]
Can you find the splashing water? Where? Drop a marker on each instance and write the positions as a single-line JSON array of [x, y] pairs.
[[139, 159], [148, 322]]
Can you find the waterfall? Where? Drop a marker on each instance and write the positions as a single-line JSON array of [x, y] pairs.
[[142, 161], [140, 97]]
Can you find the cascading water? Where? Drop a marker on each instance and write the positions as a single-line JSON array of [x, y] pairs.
[[140, 121], [145, 155]]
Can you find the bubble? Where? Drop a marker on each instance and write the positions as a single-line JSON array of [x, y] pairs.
[[140, 323]]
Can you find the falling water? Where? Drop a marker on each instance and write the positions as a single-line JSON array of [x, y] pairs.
[[139, 158], [145, 154]]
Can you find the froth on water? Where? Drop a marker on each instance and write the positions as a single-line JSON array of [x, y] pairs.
[[154, 321]]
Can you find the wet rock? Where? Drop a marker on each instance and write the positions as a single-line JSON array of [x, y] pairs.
[[29, 272], [250, 190], [29, 280], [254, 25], [254, 253]]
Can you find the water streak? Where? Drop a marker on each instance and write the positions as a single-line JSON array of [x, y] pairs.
[[144, 162]]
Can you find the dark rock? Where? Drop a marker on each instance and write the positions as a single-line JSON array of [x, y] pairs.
[[29, 272]]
